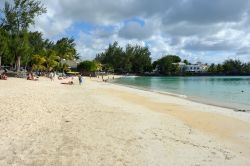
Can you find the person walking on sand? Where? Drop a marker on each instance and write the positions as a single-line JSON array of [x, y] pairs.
[[80, 79], [51, 76]]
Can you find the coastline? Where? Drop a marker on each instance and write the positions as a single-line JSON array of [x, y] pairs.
[[184, 98], [209, 110], [185, 107], [236, 108], [97, 123]]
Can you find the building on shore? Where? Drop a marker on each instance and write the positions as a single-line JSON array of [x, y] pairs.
[[72, 64], [196, 68], [192, 68]]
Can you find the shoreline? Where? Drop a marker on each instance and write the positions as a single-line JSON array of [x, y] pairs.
[[97, 123], [226, 110], [226, 124], [194, 99]]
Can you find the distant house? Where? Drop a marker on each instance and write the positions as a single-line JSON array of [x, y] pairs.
[[196, 68], [192, 68], [71, 63], [181, 65]]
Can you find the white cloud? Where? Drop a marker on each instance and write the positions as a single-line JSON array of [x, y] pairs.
[[193, 29]]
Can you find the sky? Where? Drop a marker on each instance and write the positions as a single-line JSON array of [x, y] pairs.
[[196, 30]]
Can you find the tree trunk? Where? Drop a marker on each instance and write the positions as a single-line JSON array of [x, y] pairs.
[[18, 63]]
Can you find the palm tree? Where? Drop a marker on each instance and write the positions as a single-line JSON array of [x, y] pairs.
[[38, 62], [51, 60], [65, 48]]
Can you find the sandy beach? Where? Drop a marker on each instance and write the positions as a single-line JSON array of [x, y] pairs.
[[46, 123]]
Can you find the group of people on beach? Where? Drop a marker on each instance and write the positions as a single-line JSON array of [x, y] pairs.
[[30, 76], [52, 76], [80, 79], [106, 80]]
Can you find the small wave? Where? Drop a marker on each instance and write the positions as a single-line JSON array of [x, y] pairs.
[[130, 76], [172, 94]]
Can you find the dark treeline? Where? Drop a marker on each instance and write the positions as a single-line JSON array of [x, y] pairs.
[[230, 67], [137, 60], [20, 47], [132, 59]]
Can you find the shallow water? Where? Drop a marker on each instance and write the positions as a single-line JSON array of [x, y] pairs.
[[232, 92]]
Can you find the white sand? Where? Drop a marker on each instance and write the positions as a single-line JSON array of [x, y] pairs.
[[46, 123]]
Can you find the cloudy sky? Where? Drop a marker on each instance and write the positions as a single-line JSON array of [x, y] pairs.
[[197, 30]]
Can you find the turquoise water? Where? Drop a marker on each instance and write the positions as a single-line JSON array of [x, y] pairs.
[[232, 92]]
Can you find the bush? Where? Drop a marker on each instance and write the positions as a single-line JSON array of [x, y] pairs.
[[87, 66]]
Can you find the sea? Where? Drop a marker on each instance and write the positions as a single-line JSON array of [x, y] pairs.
[[227, 91]]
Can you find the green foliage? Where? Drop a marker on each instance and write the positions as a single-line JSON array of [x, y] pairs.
[[21, 14], [230, 67], [246, 68], [212, 68], [38, 62], [108, 68], [186, 62], [134, 59], [65, 48], [112, 56], [140, 59], [17, 19], [166, 65], [87, 66], [220, 68], [37, 43], [3, 44], [19, 47], [65, 67], [51, 60]]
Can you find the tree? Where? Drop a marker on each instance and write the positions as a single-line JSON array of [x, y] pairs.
[[3, 44], [19, 47], [219, 68], [20, 15], [167, 64], [38, 62], [17, 19], [134, 59], [65, 48], [246, 68], [232, 67], [36, 47], [99, 66], [112, 56], [51, 60], [87, 66], [212, 69], [186, 62], [141, 60], [37, 43]]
